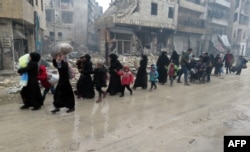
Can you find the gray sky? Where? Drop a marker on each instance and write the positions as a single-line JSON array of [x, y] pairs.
[[103, 3]]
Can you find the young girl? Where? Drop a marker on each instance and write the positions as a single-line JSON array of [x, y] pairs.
[[43, 77], [172, 71], [218, 67], [63, 96], [126, 79], [153, 74], [100, 73]]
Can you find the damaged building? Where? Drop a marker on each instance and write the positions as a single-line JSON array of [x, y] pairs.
[[239, 28], [22, 23], [217, 34], [135, 27], [151, 26], [72, 21], [191, 26]]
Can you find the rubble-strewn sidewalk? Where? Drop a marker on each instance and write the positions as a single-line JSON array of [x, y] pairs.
[[8, 86]]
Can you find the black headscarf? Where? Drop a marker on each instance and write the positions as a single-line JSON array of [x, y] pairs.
[[113, 56], [144, 62], [175, 57], [87, 57], [35, 57]]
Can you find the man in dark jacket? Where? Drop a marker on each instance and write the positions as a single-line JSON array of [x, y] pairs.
[[240, 64], [229, 60], [184, 64]]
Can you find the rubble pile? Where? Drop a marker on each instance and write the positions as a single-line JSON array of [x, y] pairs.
[[8, 81]]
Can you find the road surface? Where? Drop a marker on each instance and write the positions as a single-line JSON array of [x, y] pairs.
[[170, 119]]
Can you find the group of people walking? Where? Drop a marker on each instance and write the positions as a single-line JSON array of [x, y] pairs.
[[31, 93], [120, 76]]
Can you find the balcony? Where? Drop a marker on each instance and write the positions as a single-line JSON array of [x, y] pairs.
[[192, 6], [223, 3], [244, 12], [67, 6], [222, 22], [189, 29], [145, 23]]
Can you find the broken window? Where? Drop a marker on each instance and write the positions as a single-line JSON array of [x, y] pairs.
[[49, 15], [239, 34], [31, 2], [42, 5], [59, 35], [235, 17], [51, 35], [237, 4], [195, 1], [67, 17], [244, 36], [66, 4], [171, 12], [154, 8]]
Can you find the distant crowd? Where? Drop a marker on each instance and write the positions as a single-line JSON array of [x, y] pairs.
[[118, 76]]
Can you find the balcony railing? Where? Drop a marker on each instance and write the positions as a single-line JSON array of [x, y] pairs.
[[192, 6], [222, 22], [245, 12], [145, 23], [190, 29], [222, 3], [67, 6]]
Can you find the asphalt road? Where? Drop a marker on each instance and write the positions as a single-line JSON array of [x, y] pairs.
[[170, 119]]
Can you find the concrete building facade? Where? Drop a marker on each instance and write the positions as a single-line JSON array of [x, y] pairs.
[[190, 26], [71, 21], [135, 27], [213, 26], [239, 27], [216, 38], [22, 23], [94, 12]]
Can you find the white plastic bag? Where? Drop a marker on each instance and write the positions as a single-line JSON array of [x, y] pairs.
[[53, 78], [61, 48]]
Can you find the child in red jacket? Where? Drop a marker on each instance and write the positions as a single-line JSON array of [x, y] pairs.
[[43, 77], [126, 79]]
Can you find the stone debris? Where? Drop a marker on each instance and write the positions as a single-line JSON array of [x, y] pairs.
[[14, 90]]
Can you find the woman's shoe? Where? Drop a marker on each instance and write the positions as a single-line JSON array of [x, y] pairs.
[[70, 110], [55, 110], [36, 108], [24, 107]]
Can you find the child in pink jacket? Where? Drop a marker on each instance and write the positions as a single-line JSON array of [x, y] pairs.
[[126, 79]]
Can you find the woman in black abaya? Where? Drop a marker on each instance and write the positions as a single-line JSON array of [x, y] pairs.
[[63, 96], [162, 64], [85, 84], [31, 94], [141, 76], [115, 81]]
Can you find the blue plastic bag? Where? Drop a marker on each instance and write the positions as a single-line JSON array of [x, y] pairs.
[[24, 80]]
